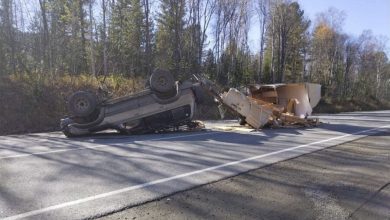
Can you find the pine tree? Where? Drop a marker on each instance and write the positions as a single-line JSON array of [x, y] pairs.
[[210, 66], [286, 32], [128, 37], [170, 36]]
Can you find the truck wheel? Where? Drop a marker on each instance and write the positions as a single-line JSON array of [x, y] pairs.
[[241, 121], [82, 103], [64, 127], [162, 81], [67, 133]]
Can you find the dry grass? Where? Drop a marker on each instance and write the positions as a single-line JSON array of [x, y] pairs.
[[33, 103]]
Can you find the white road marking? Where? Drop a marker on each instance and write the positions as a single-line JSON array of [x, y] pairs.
[[163, 180], [350, 118], [104, 145]]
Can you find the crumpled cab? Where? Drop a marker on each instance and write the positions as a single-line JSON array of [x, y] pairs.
[[164, 104]]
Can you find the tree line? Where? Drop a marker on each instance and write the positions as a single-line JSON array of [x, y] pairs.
[[133, 37]]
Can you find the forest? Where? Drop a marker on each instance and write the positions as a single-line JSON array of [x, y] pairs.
[[132, 37], [47, 44]]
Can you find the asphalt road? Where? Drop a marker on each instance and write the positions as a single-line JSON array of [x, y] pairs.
[[46, 176], [349, 181]]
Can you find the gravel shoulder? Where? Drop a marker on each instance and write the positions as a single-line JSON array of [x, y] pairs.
[[349, 181]]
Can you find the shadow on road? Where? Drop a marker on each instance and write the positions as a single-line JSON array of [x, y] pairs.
[[336, 183], [121, 162]]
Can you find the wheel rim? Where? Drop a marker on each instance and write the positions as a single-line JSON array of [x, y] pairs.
[[162, 81], [82, 105]]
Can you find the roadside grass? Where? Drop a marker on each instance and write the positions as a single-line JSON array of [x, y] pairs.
[[37, 102]]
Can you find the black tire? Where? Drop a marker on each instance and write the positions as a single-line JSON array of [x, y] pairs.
[[241, 121], [64, 127], [67, 133], [82, 104], [162, 81], [166, 95]]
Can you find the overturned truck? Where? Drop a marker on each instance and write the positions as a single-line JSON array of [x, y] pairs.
[[163, 104], [272, 105]]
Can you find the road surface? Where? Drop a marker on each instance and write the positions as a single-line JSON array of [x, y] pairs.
[[47, 176], [349, 181]]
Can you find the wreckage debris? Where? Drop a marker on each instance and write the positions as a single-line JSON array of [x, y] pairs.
[[276, 105], [167, 105]]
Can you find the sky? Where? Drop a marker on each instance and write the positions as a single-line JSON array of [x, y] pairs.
[[361, 15]]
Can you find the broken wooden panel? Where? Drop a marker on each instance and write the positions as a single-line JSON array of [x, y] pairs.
[[307, 96], [237, 101], [255, 114], [259, 115]]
